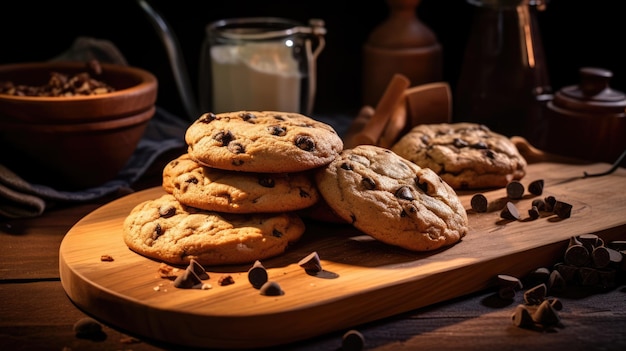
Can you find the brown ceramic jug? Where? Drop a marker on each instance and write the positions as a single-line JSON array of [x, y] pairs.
[[401, 44], [588, 120]]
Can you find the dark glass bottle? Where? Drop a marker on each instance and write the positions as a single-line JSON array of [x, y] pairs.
[[504, 82]]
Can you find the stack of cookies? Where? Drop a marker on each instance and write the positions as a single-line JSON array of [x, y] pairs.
[[234, 197]]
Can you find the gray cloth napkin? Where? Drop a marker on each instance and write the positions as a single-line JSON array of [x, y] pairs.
[[21, 199]]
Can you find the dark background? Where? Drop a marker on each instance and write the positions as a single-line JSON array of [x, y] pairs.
[[575, 33]]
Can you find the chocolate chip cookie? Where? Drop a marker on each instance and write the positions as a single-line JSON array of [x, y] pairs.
[[237, 192], [262, 141], [392, 199], [465, 155], [166, 230]]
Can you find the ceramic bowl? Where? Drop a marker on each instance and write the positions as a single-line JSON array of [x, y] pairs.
[[74, 142]]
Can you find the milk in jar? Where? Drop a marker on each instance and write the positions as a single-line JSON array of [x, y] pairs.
[[255, 76]]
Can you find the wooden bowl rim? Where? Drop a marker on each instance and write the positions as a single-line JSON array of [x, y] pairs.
[[147, 81]]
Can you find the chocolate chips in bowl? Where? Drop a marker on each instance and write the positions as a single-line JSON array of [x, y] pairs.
[[72, 125]]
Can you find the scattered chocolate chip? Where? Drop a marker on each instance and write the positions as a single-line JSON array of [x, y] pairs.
[[536, 294], [311, 263], [556, 282], [226, 279], [618, 245], [539, 275], [522, 318], [562, 209], [510, 211], [479, 203], [352, 340], [568, 272], [545, 314], [588, 276], [576, 254], [549, 201], [589, 241], [539, 203], [533, 212], [88, 328], [505, 280], [600, 257], [536, 187], [614, 256], [187, 280], [257, 275], [514, 190], [198, 269], [556, 303], [106, 258], [271, 288]]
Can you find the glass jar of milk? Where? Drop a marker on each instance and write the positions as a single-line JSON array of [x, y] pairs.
[[260, 63]]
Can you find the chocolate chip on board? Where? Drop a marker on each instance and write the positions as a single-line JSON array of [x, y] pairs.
[[515, 190], [510, 212], [479, 203], [257, 275], [271, 288], [536, 187], [311, 263]]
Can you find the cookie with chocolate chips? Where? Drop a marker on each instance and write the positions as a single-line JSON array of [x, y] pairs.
[[262, 141], [392, 199], [220, 190], [465, 155], [166, 230]]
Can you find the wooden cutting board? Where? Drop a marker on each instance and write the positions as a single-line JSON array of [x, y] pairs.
[[364, 280]]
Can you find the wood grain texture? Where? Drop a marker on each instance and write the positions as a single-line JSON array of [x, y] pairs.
[[374, 280]]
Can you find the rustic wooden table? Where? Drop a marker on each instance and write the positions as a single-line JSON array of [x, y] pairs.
[[36, 313]]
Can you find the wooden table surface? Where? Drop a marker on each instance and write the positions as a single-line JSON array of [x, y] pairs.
[[36, 313]]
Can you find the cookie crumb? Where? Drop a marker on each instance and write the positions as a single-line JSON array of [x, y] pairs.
[[226, 279], [166, 271], [106, 258]]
